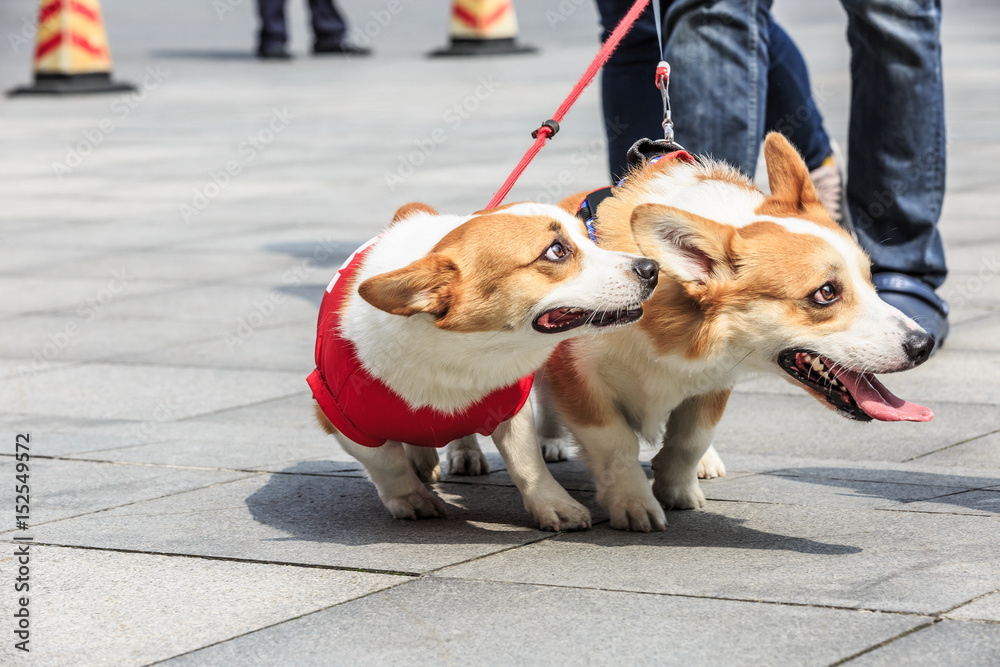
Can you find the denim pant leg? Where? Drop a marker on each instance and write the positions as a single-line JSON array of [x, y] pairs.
[[630, 101], [718, 54], [273, 31], [327, 23], [896, 170], [790, 106], [718, 85]]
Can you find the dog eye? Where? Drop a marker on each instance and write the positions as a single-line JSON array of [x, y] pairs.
[[826, 295], [556, 252]]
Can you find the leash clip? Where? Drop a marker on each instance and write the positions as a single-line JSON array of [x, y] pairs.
[[663, 83]]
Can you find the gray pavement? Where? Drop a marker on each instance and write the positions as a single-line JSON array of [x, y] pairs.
[[162, 256]]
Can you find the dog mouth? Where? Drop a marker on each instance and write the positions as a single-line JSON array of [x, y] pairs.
[[854, 394], [564, 319]]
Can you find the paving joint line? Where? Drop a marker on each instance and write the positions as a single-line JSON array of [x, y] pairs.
[[233, 559], [941, 449], [131, 502], [779, 603], [281, 622]]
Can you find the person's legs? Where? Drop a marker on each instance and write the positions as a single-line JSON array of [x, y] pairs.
[[790, 106], [718, 54], [897, 146], [718, 57], [897, 135], [273, 31], [327, 23], [631, 104], [792, 111]]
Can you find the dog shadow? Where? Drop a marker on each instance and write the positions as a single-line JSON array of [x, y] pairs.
[[344, 508], [958, 491]]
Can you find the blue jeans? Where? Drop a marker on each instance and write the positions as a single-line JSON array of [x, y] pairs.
[[724, 53]]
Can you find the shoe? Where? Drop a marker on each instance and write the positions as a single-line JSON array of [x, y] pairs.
[[917, 300], [828, 179], [273, 52], [340, 49]]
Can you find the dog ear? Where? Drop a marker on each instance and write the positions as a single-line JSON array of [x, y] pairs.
[[787, 175], [424, 286], [691, 247], [406, 210]]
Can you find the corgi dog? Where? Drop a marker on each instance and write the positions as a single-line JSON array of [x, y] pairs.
[[431, 333], [750, 284]]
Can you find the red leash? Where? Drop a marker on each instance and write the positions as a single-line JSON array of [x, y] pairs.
[[550, 127]]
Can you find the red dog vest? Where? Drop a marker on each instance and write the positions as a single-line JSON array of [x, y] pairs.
[[364, 409]]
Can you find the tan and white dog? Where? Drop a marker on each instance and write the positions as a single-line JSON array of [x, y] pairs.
[[431, 332], [750, 284]]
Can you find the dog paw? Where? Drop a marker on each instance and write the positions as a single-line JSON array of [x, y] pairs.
[[466, 462], [554, 449], [425, 462], [554, 515], [638, 512], [711, 465], [419, 503], [679, 496]]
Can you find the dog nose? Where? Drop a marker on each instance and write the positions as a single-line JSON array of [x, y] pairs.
[[647, 270], [918, 347]]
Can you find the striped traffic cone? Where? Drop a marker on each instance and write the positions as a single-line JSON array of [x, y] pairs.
[[482, 28], [71, 51]]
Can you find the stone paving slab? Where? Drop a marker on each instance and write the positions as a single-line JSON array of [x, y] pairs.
[[434, 621], [64, 489], [106, 608], [798, 426], [816, 555], [309, 519], [41, 341], [946, 642], [141, 392], [846, 494], [288, 347], [984, 609], [981, 335]]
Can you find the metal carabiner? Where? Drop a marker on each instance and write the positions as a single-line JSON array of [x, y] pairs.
[[663, 83]]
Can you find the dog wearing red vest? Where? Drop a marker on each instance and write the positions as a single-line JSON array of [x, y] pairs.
[[431, 333]]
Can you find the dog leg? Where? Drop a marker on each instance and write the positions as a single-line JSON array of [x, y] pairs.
[[688, 437], [465, 458], [401, 491], [553, 437], [711, 465], [543, 497], [622, 487], [425, 461]]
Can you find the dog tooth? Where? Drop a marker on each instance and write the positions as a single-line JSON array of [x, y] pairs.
[[817, 365]]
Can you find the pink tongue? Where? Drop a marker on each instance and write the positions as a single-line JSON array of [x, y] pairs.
[[878, 402]]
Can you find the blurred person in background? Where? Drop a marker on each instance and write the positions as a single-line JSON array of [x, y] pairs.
[[329, 31]]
